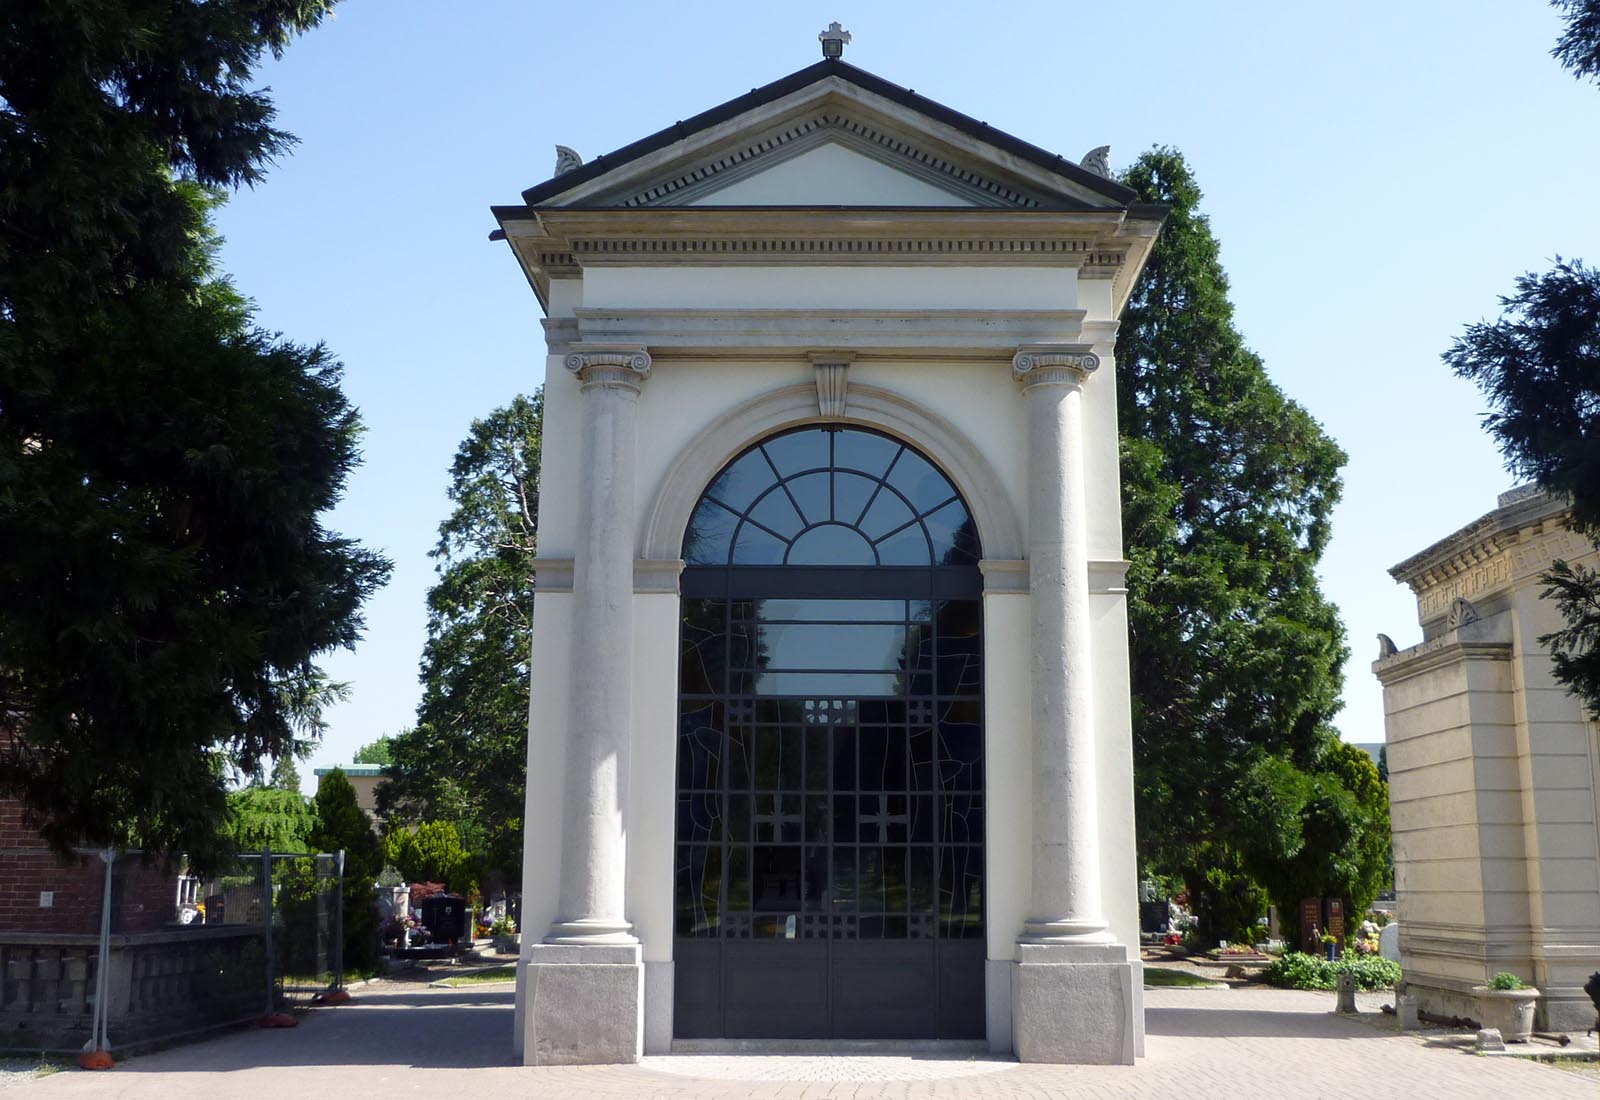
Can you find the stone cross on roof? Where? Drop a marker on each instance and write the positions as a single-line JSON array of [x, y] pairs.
[[833, 40]]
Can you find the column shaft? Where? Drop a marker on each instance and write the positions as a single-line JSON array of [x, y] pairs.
[[1065, 903], [591, 907]]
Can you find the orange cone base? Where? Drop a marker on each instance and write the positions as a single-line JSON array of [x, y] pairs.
[[279, 1019], [333, 997], [96, 1059]]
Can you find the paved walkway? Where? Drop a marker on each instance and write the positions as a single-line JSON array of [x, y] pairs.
[[401, 1040]]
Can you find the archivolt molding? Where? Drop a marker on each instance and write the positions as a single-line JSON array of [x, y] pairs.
[[791, 406]]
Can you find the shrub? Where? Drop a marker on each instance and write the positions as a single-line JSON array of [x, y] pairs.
[[1506, 980], [1297, 970]]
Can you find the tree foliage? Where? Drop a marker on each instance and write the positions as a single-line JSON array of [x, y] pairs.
[[1539, 366], [1322, 831], [1578, 48], [1227, 490], [432, 852], [269, 818], [375, 752], [465, 760], [342, 825], [166, 585]]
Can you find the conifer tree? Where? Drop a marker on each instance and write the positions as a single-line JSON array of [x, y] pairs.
[[1539, 366], [343, 825], [166, 583], [1227, 490]]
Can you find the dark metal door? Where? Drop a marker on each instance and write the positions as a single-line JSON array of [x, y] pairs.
[[830, 759]]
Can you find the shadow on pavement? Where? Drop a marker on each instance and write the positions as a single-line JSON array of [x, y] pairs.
[[444, 1029], [1224, 1023]]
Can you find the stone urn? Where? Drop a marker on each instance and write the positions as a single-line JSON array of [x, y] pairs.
[[1509, 1010], [507, 943]]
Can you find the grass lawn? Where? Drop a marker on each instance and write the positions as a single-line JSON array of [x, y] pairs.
[[479, 977], [1162, 978]]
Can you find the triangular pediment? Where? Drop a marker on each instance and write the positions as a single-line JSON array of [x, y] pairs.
[[831, 136], [833, 174]]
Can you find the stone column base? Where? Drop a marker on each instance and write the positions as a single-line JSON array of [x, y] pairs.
[[584, 1005], [1075, 1003]]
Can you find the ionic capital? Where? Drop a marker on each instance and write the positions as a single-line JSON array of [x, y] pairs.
[[609, 367], [1053, 364]]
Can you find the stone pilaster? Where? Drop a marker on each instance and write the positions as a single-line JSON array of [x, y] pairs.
[[585, 981], [1072, 993]]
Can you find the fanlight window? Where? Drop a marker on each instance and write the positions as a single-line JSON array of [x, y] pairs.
[[831, 496]]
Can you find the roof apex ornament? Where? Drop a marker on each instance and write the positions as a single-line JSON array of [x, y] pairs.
[[1098, 161], [566, 160], [833, 41]]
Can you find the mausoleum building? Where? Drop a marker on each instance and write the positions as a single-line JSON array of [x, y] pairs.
[[1494, 770], [830, 725]]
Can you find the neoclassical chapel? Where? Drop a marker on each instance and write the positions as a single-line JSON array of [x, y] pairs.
[[830, 725]]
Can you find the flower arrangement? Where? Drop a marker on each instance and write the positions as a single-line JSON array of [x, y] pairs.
[[403, 932], [1506, 980]]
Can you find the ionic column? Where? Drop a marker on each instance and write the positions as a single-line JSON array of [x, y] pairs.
[[1064, 906], [599, 708]]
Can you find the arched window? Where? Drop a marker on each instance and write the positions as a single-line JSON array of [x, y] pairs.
[[831, 497]]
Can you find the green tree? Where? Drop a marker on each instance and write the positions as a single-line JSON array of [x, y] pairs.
[[166, 584], [465, 760], [432, 852], [270, 818], [342, 825], [286, 774], [1578, 48], [1322, 831], [1539, 366], [1227, 490], [377, 752]]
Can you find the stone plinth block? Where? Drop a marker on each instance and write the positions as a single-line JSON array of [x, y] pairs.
[[1075, 1004], [585, 1005]]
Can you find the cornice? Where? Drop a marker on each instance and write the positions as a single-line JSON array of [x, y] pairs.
[[1482, 639], [1481, 539]]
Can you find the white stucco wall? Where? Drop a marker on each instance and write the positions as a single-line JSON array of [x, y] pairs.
[[843, 287], [682, 399]]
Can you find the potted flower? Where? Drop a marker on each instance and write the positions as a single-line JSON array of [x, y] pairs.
[[1330, 946], [1506, 1003], [504, 931]]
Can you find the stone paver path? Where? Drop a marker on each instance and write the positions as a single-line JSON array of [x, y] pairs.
[[409, 1040]]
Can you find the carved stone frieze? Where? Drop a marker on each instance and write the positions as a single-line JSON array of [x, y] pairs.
[[1475, 579]]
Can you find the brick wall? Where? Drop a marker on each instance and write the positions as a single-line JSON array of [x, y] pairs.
[[142, 893]]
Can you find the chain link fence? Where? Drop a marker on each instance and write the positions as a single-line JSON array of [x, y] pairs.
[[116, 950]]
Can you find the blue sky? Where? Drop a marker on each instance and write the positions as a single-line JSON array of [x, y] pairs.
[[1378, 174]]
